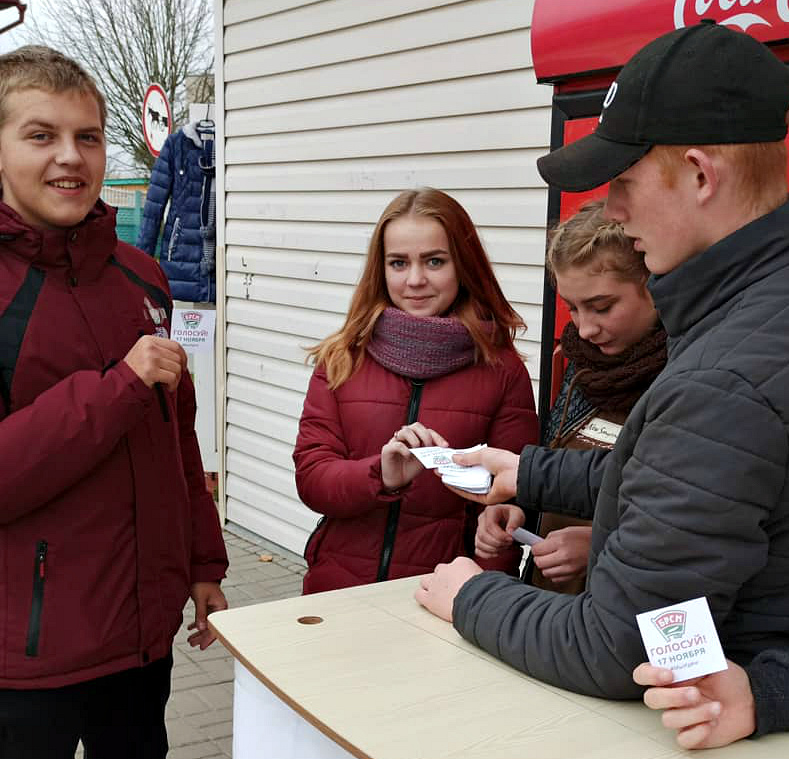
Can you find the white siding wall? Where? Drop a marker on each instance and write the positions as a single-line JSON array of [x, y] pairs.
[[331, 108]]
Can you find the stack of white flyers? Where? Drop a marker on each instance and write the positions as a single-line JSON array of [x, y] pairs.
[[472, 479]]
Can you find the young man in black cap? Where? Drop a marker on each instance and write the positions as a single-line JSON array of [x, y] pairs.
[[694, 499]]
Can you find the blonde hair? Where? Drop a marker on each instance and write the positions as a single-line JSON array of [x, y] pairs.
[[588, 238], [759, 169], [39, 67], [479, 298]]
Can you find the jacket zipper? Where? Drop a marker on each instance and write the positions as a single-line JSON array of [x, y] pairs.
[[393, 517], [174, 238], [313, 535], [39, 575]]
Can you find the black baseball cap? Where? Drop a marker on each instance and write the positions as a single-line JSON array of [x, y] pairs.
[[700, 85]]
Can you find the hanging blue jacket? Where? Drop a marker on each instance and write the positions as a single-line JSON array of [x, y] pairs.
[[187, 250]]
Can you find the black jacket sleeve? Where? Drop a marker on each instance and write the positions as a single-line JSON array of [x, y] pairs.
[[559, 480], [671, 523], [769, 676]]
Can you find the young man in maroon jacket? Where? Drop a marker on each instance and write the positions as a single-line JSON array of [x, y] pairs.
[[106, 527]]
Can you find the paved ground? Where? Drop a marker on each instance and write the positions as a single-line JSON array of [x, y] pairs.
[[200, 710]]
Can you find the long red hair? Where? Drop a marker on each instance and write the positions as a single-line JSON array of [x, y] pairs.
[[479, 303]]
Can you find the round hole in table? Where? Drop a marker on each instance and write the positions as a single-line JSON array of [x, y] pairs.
[[309, 620]]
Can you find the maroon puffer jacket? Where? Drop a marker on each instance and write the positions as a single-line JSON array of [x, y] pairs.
[[104, 517], [338, 474]]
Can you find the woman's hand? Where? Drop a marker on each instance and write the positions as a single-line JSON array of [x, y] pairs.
[[494, 529], [564, 554], [398, 466], [707, 712]]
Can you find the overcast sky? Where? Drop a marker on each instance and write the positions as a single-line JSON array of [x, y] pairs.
[[14, 38], [11, 40]]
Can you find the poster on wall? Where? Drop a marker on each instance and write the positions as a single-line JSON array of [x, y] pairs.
[[193, 329]]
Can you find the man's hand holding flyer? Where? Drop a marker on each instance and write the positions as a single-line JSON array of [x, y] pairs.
[[473, 479]]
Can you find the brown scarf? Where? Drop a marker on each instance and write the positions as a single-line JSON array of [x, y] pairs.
[[420, 347], [615, 383]]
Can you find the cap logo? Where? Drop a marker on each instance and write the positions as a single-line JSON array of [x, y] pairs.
[[609, 98], [690, 12]]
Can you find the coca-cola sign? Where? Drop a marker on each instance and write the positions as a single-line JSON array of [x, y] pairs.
[[742, 14], [571, 38]]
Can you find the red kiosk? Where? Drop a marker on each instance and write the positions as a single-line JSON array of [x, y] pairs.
[[579, 46]]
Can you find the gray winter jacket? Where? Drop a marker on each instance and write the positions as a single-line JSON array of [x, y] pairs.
[[693, 500], [769, 676]]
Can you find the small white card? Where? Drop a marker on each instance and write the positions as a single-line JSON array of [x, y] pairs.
[[473, 479], [193, 328], [525, 537], [433, 456], [682, 637]]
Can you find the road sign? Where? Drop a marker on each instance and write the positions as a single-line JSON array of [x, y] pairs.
[[157, 119]]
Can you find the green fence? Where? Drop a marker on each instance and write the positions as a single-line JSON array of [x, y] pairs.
[[129, 204]]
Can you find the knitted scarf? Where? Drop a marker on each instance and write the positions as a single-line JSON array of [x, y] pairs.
[[420, 347], [615, 383]]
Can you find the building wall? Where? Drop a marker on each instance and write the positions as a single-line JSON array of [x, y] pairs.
[[331, 108]]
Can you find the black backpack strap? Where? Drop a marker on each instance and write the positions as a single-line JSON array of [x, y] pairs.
[[156, 294], [13, 324]]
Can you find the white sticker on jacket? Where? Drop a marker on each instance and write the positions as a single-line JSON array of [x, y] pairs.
[[601, 431], [682, 637]]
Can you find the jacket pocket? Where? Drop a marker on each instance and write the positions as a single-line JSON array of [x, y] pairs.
[[174, 235], [311, 546], [37, 604]]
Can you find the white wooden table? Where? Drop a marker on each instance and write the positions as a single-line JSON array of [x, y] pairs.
[[381, 678]]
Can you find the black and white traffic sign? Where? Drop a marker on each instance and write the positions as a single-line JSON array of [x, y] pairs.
[[157, 120]]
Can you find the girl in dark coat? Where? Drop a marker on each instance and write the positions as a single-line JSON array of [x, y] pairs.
[[427, 345], [615, 347]]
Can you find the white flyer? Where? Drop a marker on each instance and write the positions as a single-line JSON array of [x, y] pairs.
[[193, 328], [525, 536], [433, 456], [473, 479], [682, 637]]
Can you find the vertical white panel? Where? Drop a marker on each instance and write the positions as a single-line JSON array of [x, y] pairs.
[[221, 269], [327, 115]]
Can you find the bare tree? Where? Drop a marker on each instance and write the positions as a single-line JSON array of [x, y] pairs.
[[127, 45]]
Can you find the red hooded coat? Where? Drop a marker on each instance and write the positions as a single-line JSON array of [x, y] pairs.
[[104, 517]]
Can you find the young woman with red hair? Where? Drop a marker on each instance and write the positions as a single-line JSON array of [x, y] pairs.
[[427, 345]]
